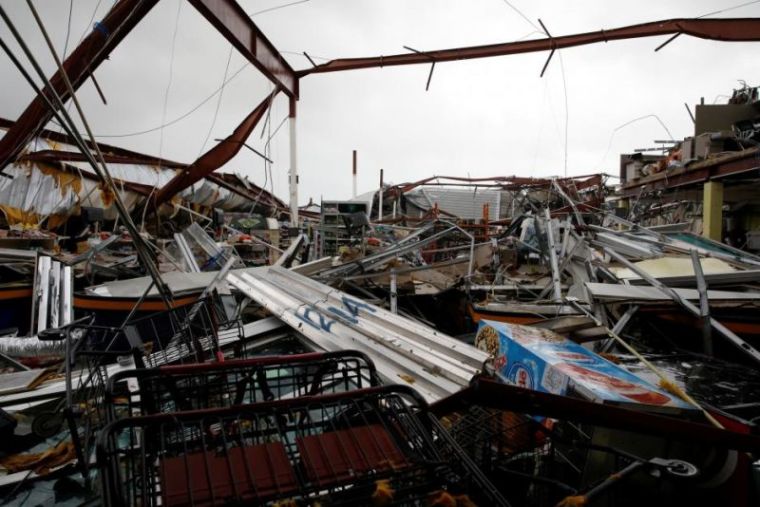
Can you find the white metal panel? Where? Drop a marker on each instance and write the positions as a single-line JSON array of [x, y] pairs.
[[55, 294], [403, 350], [43, 275], [67, 296]]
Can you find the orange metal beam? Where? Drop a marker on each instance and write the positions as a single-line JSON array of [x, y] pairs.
[[729, 29], [217, 156], [237, 27]]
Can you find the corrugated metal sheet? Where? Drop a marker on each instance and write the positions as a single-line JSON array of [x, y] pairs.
[[39, 190], [465, 203]]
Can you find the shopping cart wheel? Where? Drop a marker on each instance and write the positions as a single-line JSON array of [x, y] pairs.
[[675, 467], [47, 424]]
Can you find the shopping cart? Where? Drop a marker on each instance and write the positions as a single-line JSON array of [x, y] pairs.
[[375, 446], [176, 388], [541, 460], [187, 334], [93, 353]]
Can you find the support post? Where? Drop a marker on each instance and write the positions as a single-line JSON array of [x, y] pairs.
[[353, 177], [293, 173], [556, 281], [394, 292], [704, 303], [380, 199], [712, 210]]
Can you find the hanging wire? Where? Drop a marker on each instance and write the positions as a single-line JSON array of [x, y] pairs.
[[526, 18], [163, 116], [567, 109], [218, 102], [542, 30], [171, 76], [87, 27], [277, 7], [619, 127], [179, 118], [734, 7], [68, 29]]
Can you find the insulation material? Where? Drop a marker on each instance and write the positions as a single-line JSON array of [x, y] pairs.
[[675, 266], [35, 193], [38, 191]]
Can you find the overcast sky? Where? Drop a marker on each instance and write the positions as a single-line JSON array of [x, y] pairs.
[[483, 117]]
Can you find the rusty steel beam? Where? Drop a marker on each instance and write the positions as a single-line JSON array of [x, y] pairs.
[[729, 29], [217, 156], [55, 156], [237, 27], [61, 137], [95, 48]]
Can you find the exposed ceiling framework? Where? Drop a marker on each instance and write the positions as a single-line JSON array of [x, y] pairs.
[[237, 27], [730, 30]]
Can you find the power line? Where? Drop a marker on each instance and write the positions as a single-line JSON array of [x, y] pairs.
[[68, 29], [619, 127], [277, 7], [526, 18], [218, 102], [182, 117], [171, 76], [567, 109], [89, 24], [729, 9]]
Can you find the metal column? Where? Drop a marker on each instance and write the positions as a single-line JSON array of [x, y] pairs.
[[293, 173], [712, 210]]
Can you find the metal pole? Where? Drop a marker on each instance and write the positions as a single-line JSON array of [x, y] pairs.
[[704, 304], [102, 170], [380, 204], [553, 256], [619, 326], [394, 292], [353, 177], [293, 174]]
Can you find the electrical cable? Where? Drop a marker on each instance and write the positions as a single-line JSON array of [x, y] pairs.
[[89, 24], [171, 77], [163, 114], [218, 103], [68, 29], [616, 129], [277, 7], [537, 29], [180, 118], [567, 110], [729, 9], [519, 12]]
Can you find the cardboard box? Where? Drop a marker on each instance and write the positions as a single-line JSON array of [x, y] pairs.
[[542, 360]]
